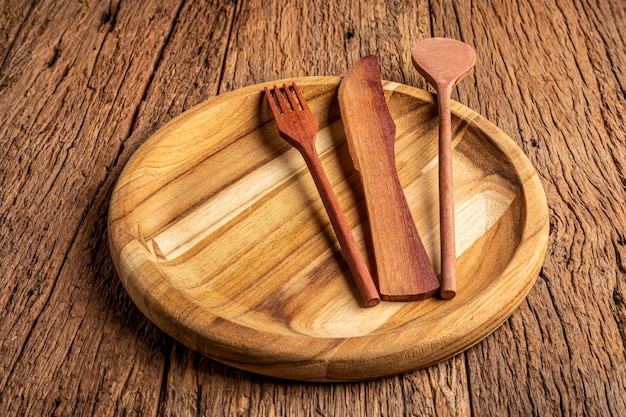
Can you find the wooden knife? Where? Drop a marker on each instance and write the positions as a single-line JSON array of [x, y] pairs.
[[403, 270]]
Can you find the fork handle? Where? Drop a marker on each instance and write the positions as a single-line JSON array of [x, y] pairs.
[[349, 246]]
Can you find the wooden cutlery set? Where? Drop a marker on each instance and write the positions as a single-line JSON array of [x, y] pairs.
[[403, 271], [220, 236]]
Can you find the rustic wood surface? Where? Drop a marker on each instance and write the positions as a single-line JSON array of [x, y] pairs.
[[83, 84]]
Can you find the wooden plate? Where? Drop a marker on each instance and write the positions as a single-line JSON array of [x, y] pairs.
[[220, 238]]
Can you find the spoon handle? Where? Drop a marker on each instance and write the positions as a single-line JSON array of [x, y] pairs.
[[446, 196]]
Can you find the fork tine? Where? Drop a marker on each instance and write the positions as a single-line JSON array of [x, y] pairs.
[[271, 102], [292, 100], [281, 101], [301, 99]]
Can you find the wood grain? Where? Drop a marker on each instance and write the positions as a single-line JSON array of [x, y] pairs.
[[220, 238], [298, 125], [551, 75], [568, 343], [402, 268]]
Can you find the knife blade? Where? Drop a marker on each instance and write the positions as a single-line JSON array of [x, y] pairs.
[[403, 270]]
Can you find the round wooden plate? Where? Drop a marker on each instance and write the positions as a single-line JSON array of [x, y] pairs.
[[220, 238]]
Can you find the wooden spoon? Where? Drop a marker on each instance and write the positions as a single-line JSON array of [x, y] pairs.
[[445, 62]]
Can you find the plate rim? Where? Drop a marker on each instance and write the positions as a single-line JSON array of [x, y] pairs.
[[331, 364]]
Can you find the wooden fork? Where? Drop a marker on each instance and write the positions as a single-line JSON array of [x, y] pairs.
[[297, 125]]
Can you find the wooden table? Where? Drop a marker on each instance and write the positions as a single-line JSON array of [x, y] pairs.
[[83, 84]]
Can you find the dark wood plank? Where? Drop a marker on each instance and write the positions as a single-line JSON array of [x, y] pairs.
[[83, 84], [76, 102], [552, 76], [303, 39], [13, 13]]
